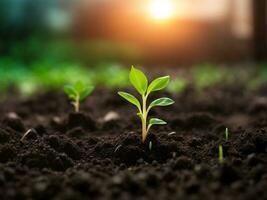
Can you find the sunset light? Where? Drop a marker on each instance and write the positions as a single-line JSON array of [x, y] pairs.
[[161, 9]]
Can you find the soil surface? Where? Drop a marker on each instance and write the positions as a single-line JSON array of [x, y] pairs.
[[49, 152]]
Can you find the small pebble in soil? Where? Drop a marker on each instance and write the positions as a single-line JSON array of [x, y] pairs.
[[154, 163], [140, 161], [80, 120], [4, 136], [182, 163], [77, 132], [110, 116], [228, 174], [7, 153], [13, 121]]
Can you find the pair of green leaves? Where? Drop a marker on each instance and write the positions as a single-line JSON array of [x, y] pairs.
[[164, 101], [140, 82], [78, 91]]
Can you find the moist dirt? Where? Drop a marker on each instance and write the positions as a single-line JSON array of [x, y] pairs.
[[98, 153]]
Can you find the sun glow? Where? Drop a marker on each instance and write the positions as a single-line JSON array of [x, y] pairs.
[[161, 9]]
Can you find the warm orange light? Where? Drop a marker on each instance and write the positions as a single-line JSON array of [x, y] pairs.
[[161, 9]]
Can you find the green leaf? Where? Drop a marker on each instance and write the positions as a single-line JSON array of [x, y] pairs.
[[70, 91], [131, 99], [156, 121], [79, 89], [158, 84], [79, 86], [86, 92], [164, 101], [138, 80]]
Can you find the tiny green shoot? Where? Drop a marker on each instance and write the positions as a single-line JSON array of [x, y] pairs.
[[27, 133], [221, 154], [140, 83], [77, 93], [150, 145], [226, 133]]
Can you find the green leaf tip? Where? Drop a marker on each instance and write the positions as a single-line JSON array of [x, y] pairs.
[[70, 91], [164, 101], [156, 121], [86, 92], [132, 99], [158, 84], [138, 80]]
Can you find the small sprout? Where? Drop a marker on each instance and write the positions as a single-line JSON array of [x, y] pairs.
[[150, 145], [77, 93], [221, 154], [26, 134], [139, 81], [117, 148], [171, 133], [226, 133]]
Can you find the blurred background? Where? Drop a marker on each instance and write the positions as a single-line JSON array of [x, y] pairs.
[[52, 42]]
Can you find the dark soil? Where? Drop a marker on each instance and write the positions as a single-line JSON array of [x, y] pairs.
[[98, 154]]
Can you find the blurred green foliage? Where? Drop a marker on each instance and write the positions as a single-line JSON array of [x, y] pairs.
[[177, 85], [259, 78], [32, 64], [86, 52], [48, 75], [206, 75]]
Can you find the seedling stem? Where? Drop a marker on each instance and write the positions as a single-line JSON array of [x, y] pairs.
[[76, 103], [226, 134], [221, 159]]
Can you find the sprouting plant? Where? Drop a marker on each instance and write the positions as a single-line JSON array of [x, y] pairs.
[[226, 133], [77, 93], [221, 154], [26, 134], [150, 145], [140, 82]]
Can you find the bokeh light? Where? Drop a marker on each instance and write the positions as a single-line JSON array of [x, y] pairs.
[[161, 9]]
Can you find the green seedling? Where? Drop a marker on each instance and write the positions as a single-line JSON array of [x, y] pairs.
[[77, 93], [140, 83], [221, 154], [150, 145], [226, 133]]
